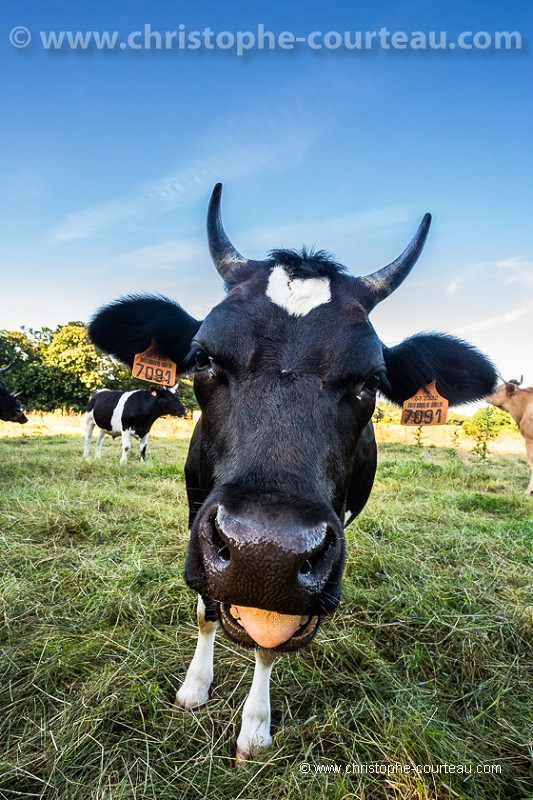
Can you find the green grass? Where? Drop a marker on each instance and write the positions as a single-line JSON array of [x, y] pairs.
[[427, 662]]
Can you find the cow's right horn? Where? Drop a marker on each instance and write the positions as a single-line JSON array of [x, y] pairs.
[[6, 368], [225, 257], [383, 282]]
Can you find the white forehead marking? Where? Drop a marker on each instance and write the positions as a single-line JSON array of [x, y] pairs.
[[298, 296]]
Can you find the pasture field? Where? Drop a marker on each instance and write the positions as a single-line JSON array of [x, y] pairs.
[[419, 687]]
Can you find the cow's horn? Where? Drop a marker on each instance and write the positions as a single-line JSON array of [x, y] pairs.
[[225, 257], [6, 368], [383, 282]]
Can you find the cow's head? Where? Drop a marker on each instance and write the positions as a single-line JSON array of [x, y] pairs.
[[503, 393], [286, 372], [168, 402], [10, 406]]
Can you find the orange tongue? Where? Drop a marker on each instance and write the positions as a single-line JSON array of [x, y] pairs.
[[267, 628]]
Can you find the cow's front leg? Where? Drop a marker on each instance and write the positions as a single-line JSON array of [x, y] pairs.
[[194, 690], [529, 449], [126, 437], [142, 446], [99, 441], [255, 731]]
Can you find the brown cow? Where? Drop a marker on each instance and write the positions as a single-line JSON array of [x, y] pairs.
[[519, 403]]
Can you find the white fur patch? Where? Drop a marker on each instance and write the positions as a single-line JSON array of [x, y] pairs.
[[116, 418], [298, 296]]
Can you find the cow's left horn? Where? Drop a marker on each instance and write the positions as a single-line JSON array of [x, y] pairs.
[[4, 369], [383, 282], [225, 257]]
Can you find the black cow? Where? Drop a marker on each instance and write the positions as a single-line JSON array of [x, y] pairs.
[[10, 406], [286, 372], [124, 413]]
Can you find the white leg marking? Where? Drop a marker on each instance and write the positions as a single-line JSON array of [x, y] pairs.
[[100, 436], [194, 691], [89, 425], [255, 731], [142, 445], [126, 436]]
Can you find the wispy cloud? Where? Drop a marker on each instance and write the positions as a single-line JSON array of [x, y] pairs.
[[369, 223], [166, 255], [454, 287], [236, 148], [517, 269], [498, 320]]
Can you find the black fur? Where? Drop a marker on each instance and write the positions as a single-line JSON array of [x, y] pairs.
[[306, 263], [10, 406], [462, 373], [129, 325]]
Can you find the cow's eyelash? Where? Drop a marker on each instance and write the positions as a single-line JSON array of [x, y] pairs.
[[198, 358], [374, 380], [202, 360], [371, 382]]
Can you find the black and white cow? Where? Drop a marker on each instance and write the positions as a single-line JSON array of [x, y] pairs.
[[10, 406], [286, 372], [125, 413]]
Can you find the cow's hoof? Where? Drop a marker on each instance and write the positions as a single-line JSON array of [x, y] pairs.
[[242, 755], [252, 748], [191, 698]]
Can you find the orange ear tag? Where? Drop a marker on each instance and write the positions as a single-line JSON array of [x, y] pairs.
[[154, 368], [426, 407]]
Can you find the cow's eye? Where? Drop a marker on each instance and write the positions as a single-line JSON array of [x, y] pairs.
[[372, 383], [201, 360]]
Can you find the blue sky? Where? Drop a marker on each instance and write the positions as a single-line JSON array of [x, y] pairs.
[[108, 160]]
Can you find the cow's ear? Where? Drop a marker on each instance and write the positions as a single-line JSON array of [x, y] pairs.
[[510, 388], [131, 324], [462, 373]]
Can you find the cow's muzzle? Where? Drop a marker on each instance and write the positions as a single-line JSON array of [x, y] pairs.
[[270, 553]]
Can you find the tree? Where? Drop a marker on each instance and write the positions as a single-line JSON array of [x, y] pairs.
[[60, 368], [71, 352]]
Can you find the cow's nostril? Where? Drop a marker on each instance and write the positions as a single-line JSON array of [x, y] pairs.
[[217, 538], [312, 562]]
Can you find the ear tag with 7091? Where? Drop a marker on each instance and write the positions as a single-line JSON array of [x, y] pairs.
[[426, 407], [154, 368]]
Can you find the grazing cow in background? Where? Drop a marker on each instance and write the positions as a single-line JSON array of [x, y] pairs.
[[519, 403], [286, 372], [124, 413], [10, 406]]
